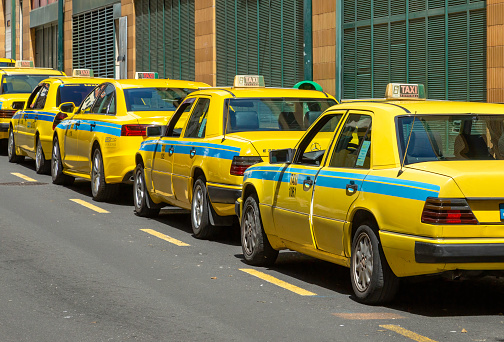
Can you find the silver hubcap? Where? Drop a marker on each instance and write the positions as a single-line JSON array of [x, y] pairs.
[[249, 231], [197, 203], [95, 176], [139, 189], [10, 149], [363, 263], [55, 159], [38, 155]]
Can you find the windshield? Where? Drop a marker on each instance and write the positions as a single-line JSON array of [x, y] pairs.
[[451, 137], [154, 99], [18, 84], [73, 93], [274, 114], [6, 64]]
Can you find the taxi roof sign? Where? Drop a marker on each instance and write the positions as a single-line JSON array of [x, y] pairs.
[[405, 91], [24, 64], [246, 81], [146, 75], [83, 73]]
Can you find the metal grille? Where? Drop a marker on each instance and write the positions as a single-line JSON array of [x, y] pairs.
[[260, 37], [93, 42], [46, 46], [440, 43], [165, 38]]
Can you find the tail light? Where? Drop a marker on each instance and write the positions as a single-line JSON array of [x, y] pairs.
[[447, 211], [7, 113], [134, 130], [58, 118], [240, 164]]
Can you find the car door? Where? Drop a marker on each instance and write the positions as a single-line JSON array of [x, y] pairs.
[[339, 182], [190, 146], [70, 155], [20, 124], [162, 164], [33, 117], [294, 190]]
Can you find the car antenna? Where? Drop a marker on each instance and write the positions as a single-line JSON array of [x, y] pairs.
[[407, 145], [225, 122]]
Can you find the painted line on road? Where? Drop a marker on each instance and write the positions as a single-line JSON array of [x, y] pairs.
[[165, 237], [407, 333], [90, 206], [369, 315], [26, 178], [278, 282]]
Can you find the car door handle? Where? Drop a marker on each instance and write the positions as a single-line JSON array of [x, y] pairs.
[[351, 188], [170, 151], [192, 153], [36, 117], [307, 184], [93, 125]]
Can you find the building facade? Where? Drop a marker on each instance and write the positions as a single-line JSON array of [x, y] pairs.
[[353, 48]]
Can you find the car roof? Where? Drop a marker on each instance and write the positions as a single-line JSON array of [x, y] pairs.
[[76, 80], [30, 71], [158, 83], [262, 92]]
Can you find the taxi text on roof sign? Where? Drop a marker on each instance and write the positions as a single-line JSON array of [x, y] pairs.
[[24, 64], [405, 91], [249, 81], [146, 75], [83, 73]]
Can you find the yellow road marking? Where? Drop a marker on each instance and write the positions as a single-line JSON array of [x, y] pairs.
[[90, 206], [369, 315], [165, 237], [26, 178], [407, 333], [278, 282]]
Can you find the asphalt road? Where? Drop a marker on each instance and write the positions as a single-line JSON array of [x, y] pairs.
[[70, 273]]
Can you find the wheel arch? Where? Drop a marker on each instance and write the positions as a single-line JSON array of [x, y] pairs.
[[360, 216]]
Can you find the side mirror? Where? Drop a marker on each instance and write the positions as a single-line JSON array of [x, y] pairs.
[[18, 105], [284, 156], [67, 108], [156, 131]]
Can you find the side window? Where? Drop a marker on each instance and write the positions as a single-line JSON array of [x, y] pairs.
[[41, 97], [354, 143], [31, 100], [105, 104], [88, 102], [317, 141], [197, 122]]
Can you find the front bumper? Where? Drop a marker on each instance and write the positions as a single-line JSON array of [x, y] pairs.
[[459, 253]]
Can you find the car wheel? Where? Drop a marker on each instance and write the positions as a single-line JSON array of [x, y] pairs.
[[58, 177], [141, 195], [200, 220], [255, 245], [11, 149], [373, 281], [100, 189], [42, 166]]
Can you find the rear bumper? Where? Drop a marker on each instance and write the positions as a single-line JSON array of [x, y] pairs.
[[459, 253], [224, 195], [4, 126]]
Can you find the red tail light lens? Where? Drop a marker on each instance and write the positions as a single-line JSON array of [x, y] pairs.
[[447, 211], [57, 119], [240, 164], [7, 113], [134, 130]]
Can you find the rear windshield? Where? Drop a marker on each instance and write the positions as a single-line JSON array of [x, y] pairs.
[[451, 137], [19, 84], [273, 114], [6, 64], [73, 93], [154, 99]]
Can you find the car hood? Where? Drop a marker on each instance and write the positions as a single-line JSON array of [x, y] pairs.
[[264, 142], [475, 178]]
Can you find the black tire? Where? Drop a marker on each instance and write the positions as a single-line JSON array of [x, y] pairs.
[[42, 166], [141, 196], [11, 149], [58, 177], [255, 245], [200, 220], [99, 188], [373, 281]]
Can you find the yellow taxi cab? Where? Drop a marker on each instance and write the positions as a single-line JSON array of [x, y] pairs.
[[7, 62], [99, 139], [393, 188], [31, 129], [200, 166], [16, 85]]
